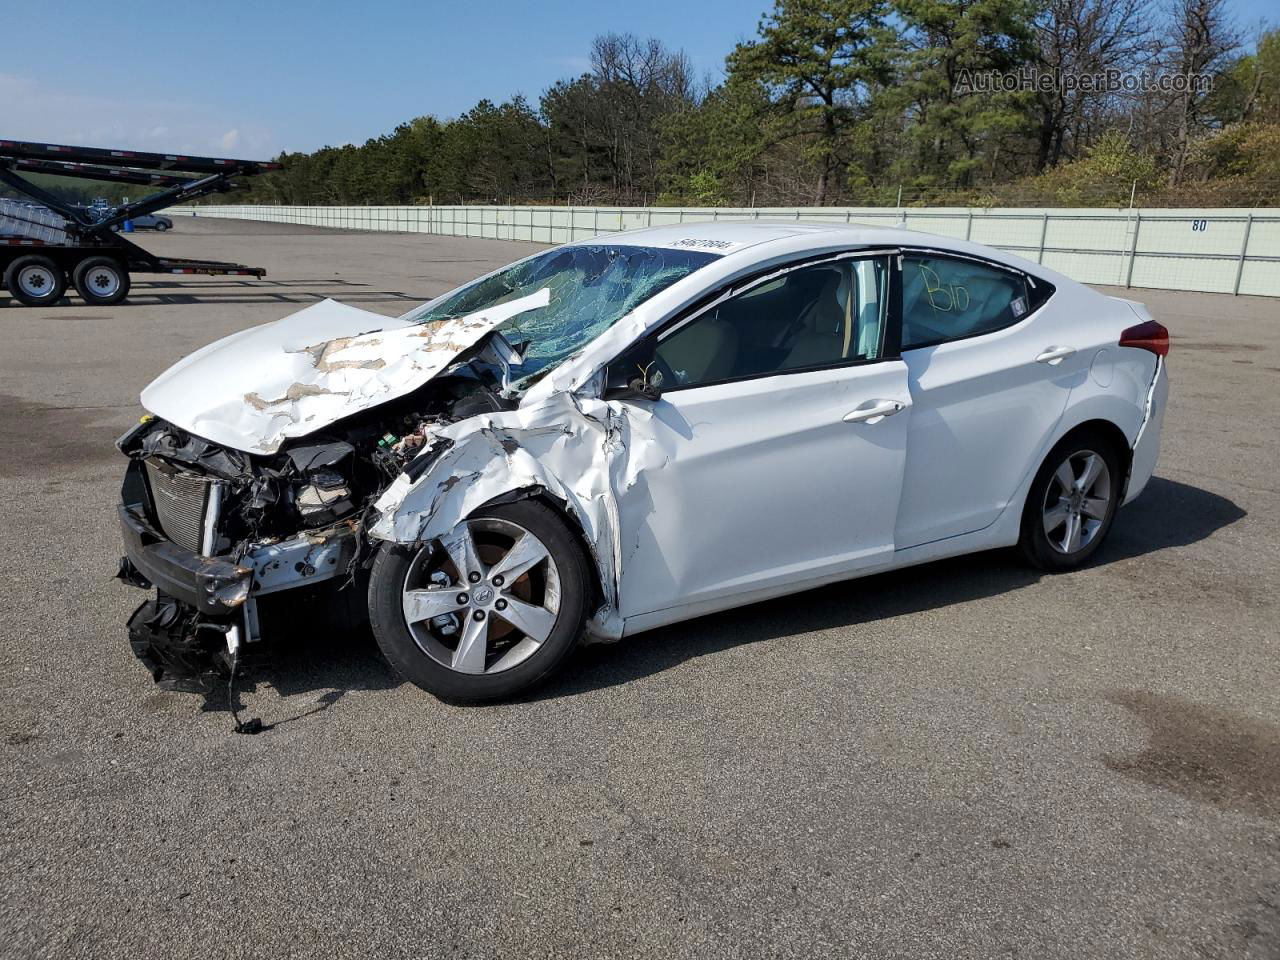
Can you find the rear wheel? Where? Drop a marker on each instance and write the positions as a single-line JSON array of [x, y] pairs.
[[485, 612], [1072, 503], [102, 281], [161, 226], [36, 281]]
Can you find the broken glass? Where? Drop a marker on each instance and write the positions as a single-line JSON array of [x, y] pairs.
[[591, 287]]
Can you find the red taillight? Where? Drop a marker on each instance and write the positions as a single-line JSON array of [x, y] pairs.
[[1147, 336]]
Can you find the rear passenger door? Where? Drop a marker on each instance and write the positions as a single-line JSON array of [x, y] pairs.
[[985, 393], [776, 446]]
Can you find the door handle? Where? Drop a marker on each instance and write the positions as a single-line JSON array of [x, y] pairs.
[[873, 411], [1055, 355]]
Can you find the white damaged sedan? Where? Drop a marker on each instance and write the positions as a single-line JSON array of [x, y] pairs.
[[625, 432]]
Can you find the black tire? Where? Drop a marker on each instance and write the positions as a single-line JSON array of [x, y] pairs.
[[35, 281], [394, 564], [1035, 543], [101, 281], [161, 226]]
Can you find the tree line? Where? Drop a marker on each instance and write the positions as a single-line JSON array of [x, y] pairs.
[[862, 102]]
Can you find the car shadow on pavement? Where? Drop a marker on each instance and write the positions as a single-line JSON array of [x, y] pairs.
[[316, 653], [1168, 514], [321, 644]]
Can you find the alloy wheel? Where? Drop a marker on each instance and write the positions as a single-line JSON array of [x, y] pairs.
[[483, 599], [1077, 501]]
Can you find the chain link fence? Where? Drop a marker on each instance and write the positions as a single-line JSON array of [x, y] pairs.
[[1234, 251]]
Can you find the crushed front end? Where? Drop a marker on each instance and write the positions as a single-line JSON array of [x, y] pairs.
[[214, 531], [223, 534]]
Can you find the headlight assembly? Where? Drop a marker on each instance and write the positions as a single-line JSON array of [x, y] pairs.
[[326, 498]]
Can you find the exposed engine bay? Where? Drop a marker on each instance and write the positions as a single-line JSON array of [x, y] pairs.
[[244, 526]]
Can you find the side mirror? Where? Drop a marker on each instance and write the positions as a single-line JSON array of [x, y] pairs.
[[636, 389]]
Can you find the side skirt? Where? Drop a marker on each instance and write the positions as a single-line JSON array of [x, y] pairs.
[[994, 536]]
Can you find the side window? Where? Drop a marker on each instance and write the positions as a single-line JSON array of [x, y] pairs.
[[825, 315], [944, 299]]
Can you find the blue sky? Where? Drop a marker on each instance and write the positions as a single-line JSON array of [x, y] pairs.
[[251, 79]]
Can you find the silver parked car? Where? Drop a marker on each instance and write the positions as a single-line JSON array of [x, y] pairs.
[[151, 221]]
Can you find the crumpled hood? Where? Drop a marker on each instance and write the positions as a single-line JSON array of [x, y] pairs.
[[260, 387]]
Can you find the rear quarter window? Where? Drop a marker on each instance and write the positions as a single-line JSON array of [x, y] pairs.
[[945, 299]]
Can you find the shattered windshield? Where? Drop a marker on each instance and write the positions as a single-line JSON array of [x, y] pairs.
[[589, 288]]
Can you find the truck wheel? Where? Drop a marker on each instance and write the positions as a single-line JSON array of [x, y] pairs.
[[35, 281], [102, 281]]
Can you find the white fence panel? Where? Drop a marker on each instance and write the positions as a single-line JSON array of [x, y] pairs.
[[1212, 251]]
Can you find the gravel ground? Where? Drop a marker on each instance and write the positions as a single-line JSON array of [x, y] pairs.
[[965, 759]]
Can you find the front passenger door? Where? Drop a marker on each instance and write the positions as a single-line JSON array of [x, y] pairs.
[[777, 445]]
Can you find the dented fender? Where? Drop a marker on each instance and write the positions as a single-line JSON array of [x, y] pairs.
[[578, 449]]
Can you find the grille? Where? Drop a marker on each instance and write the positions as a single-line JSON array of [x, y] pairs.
[[180, 500]]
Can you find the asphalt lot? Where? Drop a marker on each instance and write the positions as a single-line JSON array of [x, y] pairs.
[[965, 759]]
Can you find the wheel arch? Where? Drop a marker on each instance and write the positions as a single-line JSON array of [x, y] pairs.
[[1101, 413], [491, 466], [1114, 435], [560, 507], [1031, 538], [1068, 429], [1117, 416]]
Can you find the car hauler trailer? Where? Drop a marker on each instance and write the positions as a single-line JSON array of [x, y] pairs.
[[40, 256]]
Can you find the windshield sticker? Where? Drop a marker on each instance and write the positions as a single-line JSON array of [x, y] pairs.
[[697, 243]]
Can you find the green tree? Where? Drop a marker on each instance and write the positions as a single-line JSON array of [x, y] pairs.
[[576, 158], [713, 151], [1244, 158], [958, 134], [821, 60], [494, 153], [1249, 89], [604, 129]]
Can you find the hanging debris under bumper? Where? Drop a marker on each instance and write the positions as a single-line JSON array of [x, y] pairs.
[[179, 650]]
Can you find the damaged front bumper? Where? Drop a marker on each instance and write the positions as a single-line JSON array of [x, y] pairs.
[[207, 606], [215, 586], [221, 586]]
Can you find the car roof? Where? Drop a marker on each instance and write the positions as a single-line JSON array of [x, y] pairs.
[[761, 239], [722, 236]]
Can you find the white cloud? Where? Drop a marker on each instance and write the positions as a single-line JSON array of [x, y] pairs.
[[578, 65], [31, 110]]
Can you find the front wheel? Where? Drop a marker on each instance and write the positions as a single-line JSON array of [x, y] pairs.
[[161, 226], [1072, 503], [485, 612]]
